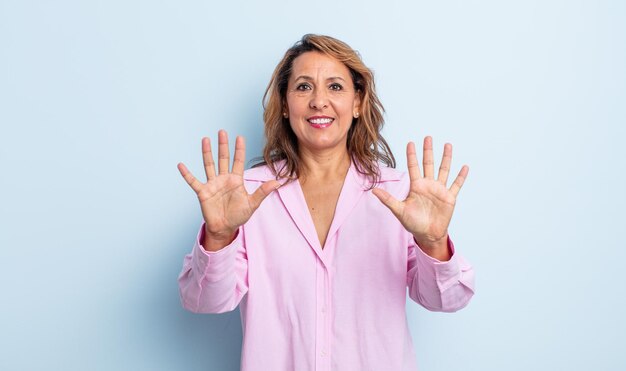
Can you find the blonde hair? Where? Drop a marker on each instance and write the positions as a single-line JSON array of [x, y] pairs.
[[366, 146]]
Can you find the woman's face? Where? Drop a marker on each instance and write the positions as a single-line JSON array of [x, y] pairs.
[[321, 102]]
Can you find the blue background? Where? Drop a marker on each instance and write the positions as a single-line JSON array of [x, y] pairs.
[[100, 100]]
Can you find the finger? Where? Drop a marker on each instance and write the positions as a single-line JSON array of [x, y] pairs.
[[207, 158], [388, 200], [411, 161], [223, 156], [460, 179], [444, 168], [263, 191], [189, 178], [429, 168], [240, 155]]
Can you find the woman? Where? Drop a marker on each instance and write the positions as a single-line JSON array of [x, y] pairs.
[[314, 242]]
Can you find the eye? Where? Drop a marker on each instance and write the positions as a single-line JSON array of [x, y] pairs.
[[336, 87], [303, 87]]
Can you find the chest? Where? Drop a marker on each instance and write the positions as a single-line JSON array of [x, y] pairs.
[[363, 237], [321, 203]]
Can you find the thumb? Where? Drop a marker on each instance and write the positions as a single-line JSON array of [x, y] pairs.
[[263, 191], [388, 200]]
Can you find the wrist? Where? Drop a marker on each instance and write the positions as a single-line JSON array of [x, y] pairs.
[[437, 249], [214, 241], [426, 244]]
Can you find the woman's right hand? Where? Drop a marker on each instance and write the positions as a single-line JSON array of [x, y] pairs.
[[225, 203]]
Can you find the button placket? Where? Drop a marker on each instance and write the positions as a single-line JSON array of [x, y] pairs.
[[323, 320]]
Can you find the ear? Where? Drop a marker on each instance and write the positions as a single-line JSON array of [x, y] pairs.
[[285, 110], [356, 107]]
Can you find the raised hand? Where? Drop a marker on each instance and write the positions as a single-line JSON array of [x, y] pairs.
[[427, 210], [225, 203]]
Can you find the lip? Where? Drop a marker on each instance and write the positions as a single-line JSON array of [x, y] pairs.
[[320, 125]]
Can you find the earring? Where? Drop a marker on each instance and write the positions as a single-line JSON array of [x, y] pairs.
[[285, 114], [356, 115]]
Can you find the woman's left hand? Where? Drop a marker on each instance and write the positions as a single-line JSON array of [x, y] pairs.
[[427, 209]]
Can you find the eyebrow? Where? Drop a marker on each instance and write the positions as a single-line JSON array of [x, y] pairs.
[[309, 78]]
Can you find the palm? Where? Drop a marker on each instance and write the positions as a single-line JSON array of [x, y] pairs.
[[224, 201], [427, 210]]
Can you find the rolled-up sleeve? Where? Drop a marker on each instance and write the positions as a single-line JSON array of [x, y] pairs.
[[439, 286], [214, 281]]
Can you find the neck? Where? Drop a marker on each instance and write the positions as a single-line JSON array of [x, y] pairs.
[[324, 165]]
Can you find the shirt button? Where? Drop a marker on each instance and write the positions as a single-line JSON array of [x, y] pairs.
[[323, 353], [323, 309]]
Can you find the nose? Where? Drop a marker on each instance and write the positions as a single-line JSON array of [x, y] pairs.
[[319, 99]]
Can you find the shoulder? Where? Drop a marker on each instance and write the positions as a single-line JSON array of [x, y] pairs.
[[254, 177], [393, 181], [261, 173], [389, 174]]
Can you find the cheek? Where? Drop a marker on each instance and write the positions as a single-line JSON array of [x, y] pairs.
[[296, 106], [346, 107], [345, 102], [295, 123]]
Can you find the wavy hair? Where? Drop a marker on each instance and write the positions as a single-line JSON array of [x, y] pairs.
[[366, 146]]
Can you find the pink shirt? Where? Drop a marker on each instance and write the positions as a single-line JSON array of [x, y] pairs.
[[338, 308]]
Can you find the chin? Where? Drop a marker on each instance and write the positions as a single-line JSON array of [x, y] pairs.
[[323, 144]]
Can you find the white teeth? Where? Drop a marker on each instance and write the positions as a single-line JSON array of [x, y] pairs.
[[321, 121]]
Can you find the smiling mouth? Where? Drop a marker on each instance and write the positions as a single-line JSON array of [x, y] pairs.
[[320, 122]]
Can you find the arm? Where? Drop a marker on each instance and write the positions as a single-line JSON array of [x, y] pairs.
[[214, 281], [437, 279], [439, 286], [215, 275]]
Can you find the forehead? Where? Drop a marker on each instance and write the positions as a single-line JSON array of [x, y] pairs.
[[315, 64]]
